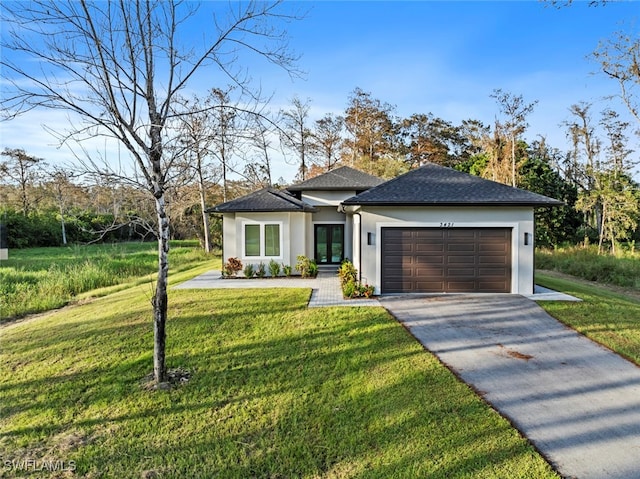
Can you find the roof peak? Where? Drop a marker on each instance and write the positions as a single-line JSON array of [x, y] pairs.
[[437, 185], [343, 178]]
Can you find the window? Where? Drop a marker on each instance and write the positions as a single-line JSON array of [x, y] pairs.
[[252, 240], [262, 240], [272, 240]]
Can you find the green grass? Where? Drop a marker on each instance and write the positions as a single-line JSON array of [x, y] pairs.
[[40, 279], [277, 391], [608, 317], [586, 263]]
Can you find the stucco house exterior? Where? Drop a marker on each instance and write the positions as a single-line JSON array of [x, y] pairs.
[[430, 230]]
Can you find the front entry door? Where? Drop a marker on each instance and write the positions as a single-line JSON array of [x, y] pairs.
[[329, 240]]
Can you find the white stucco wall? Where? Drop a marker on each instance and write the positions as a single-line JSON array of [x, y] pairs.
[[295, 227], [519, 219], [326, 198]]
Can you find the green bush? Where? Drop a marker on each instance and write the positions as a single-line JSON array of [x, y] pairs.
[[286, 270], [306, 267], [248, 270], [347, 272], [261, 271], [274, 268], [351, 287]]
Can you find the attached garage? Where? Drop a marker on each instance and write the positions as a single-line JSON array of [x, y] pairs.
[[446, 260], [438, 230]]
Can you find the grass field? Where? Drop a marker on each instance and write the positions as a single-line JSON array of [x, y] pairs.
[[607, 316], [40, 279], [277, 391], [586, 263]]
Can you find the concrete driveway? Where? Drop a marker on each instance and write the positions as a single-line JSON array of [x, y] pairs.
[[576, 401]]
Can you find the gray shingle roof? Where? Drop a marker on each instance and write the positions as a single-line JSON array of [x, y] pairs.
[[267, 199], [437, 185], [340, 179]]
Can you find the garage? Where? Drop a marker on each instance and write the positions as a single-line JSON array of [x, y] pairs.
[[446, 260]]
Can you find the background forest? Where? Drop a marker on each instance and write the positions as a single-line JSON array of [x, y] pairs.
[[223, 152]]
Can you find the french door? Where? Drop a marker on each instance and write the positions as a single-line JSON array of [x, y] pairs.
[[329, 244]]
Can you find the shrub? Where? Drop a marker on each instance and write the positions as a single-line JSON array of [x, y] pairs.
[[248, 271], [286, 270], [351, 287], [313, 269], [231, 267], [347, 272], [306, 267], [274, 268], [261, 271]]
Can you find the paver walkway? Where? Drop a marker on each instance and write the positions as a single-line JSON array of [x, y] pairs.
[[325, 288], [578, 402]]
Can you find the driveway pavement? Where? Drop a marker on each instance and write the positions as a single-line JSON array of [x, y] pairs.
[[576, 401]]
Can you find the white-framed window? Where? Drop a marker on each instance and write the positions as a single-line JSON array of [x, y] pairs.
[[262, 240]]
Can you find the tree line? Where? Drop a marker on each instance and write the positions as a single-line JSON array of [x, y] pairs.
[[224, 152]]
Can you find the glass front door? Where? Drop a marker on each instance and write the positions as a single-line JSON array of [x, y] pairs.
[[329, 244]]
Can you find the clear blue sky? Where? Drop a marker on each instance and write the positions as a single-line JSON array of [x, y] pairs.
[[440, 57]]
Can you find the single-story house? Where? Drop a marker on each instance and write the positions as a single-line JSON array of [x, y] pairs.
[[431, 230]]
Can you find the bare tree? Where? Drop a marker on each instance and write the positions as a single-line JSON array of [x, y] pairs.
[[515, 110], [257, 168], [60, 180], [207, 132], [225, 119], [22, 169], [119, 66], [327, 140], [619, 59], [586, 145], [295, 134]]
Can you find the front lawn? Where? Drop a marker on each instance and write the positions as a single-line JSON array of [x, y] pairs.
[[606, 316], [277, 390]]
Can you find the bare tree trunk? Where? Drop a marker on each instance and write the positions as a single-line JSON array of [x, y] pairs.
[[64, 230], [601, 233], [160, 301], [160, 298], [203, 207], [513, 161]]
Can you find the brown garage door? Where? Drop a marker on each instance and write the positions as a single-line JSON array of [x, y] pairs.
[[449, 260]]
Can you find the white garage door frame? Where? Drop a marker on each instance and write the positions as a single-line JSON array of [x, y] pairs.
[[515, 235]]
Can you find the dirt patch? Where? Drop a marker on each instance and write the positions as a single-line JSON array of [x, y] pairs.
[[515, 354], [175, 378], [28, 318]]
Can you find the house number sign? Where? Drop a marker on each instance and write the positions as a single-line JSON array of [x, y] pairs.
[[446, 225]]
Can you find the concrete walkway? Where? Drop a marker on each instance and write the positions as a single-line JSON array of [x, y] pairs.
[[325, 288], [578, 402]]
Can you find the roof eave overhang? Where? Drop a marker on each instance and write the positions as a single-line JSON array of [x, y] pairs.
[[310, 209], [453, 203], [331, 188]]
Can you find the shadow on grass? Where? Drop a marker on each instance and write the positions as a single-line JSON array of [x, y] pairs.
[[277, 390]]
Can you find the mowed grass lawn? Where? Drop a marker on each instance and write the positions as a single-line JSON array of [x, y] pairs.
[[606, 315], [277, 391]]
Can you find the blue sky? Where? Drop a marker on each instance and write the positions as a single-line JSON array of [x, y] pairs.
[[440, 57]]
